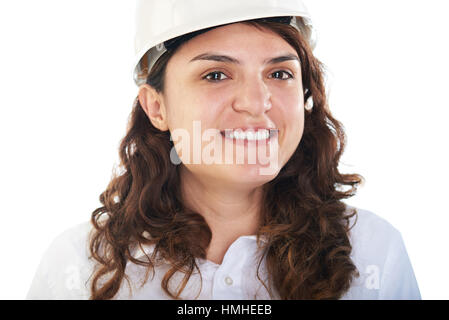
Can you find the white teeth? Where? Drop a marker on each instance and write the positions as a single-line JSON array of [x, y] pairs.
[[262, 134], [249, 135]]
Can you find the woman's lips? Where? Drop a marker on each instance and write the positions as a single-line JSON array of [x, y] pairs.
[[273, 133]]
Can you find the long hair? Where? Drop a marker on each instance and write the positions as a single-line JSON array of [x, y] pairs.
[[305, 223]]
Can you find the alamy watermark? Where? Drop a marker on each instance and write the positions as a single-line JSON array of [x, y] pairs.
[[258, 149], [372, 280]]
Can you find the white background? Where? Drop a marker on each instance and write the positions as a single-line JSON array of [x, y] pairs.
[[66, 91]]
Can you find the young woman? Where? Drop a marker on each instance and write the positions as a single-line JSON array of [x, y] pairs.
[[229, 187]]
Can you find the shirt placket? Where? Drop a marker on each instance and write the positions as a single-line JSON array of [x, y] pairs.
[[227, 281]]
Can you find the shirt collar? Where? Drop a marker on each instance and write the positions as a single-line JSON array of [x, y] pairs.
[[147, 249]]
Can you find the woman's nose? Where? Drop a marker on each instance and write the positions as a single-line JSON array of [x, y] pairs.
[[253, 96]]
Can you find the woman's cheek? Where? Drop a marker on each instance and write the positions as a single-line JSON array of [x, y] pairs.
[[213, 100]]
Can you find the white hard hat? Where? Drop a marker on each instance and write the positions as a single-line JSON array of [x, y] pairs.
[[160, 20]]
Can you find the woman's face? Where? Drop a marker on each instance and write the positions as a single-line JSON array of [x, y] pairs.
[[235, 77]]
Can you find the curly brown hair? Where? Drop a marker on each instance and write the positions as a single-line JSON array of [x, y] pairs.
[[304, 221]]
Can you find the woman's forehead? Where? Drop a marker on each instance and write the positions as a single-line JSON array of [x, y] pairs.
[[235, 39]]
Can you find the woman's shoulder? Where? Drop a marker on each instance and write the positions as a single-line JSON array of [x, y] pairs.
[[72, 244], [380, 255], [367, 225], [65, 266], [372, 236], [75, 235]]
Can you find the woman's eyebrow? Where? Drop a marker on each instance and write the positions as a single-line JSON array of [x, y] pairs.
[[224, 58]]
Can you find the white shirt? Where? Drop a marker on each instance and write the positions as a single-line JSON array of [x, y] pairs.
[[378, 252]]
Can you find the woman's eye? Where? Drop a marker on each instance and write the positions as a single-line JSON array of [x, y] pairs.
[[215, 76], [282, 75]]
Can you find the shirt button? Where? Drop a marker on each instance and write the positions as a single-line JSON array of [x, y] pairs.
[[228, 281]]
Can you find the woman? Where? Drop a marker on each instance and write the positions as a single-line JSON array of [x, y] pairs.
[[229, 186]]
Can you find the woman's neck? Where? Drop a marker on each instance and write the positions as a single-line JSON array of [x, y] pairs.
[[230, 211]]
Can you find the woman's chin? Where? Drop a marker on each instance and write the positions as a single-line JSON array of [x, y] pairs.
[[247, 173]]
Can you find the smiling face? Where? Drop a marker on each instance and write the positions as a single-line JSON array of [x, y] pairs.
[[236, 77]]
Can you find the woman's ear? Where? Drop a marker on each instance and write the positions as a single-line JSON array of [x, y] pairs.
[[153, 104]]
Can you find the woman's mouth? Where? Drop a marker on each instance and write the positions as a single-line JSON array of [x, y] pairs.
[[249, 136]]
